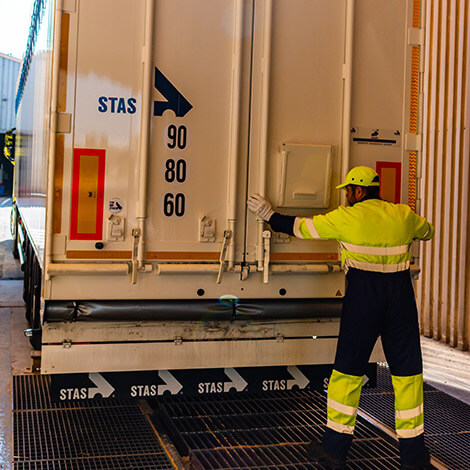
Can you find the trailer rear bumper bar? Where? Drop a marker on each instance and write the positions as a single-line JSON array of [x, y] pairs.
[[191, 310]]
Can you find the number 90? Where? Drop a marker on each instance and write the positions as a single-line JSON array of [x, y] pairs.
[[177, 136]]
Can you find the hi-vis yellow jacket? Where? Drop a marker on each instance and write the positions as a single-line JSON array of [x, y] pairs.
[[374, 235]]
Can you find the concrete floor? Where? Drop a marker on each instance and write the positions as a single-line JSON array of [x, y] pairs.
[[15, 351], [15, 358], [446, 368]]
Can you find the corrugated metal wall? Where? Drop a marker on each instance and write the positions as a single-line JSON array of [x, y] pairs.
[[444, 285], [9, 69]]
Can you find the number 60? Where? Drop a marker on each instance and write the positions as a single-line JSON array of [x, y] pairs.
[[174, 204]]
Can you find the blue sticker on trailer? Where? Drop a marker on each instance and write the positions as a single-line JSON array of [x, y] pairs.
[[175, 100], [194, 382]]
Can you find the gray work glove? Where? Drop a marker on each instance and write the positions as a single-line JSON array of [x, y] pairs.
[[260, 206]]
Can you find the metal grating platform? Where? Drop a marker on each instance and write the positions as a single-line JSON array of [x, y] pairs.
[[99, 434], [221, 431], [32, 392], [373, 455], [268, 431], [384, 382], [131, 462], [245, 457], [446, 419]]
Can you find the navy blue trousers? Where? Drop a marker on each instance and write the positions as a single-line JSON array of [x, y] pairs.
[[378, 304]]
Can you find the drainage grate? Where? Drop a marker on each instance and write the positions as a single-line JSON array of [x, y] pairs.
[[228, 431], [101, 434], [384, 382], [191, 432], [374, 453], [364, 455], [240, 459], [232, 405], [445, 415], [446, 419], [454, 449], [57, 434], [383, 405], [127, 462], [263, 431], [32, 392]]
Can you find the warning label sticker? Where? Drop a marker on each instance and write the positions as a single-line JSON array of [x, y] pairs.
[[115, 205], [375, 136]]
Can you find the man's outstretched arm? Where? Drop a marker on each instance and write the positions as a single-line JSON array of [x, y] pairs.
[[318, 227], [278, 222]]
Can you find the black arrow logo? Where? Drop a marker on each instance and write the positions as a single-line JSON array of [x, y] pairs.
[[175, 100]]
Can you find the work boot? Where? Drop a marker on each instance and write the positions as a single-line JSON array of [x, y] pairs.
[[316, 454], [425, 466]]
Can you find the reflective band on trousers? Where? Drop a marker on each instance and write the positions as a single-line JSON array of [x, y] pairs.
[[347, 410], [376, 250], [342, 428], [408, 433], [408, 414], [344, 391], [376, 267]]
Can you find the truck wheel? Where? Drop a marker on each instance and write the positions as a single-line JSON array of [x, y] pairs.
[[36, 340], [14, 233], [28, 315]]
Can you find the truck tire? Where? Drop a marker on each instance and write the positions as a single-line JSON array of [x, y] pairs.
[[14, 232], [36, 341]]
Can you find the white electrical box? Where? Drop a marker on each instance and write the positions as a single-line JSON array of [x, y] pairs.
[[305, 176]]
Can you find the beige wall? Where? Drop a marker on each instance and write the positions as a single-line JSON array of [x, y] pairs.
[[444, 287]]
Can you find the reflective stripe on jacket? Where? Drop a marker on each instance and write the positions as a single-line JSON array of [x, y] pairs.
[[374, 235]]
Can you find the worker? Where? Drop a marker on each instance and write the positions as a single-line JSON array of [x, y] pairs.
[[375, 238]]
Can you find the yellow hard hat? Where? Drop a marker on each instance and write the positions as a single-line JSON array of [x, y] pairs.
[[361, 176]]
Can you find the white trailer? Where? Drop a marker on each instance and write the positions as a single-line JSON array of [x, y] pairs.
[[142, 127]]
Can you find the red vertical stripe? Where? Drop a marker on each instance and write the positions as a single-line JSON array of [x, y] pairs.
[[397, 167], [98, 233]]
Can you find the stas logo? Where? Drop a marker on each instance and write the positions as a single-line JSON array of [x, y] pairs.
[[116, 105]]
